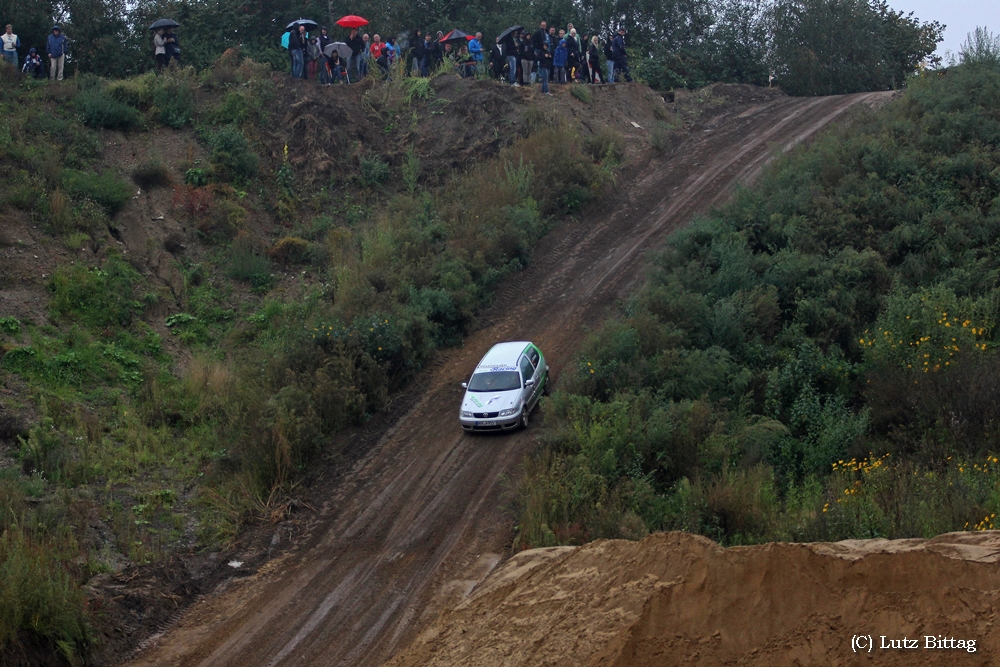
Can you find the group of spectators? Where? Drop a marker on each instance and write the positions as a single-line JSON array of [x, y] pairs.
[[55, 48], [520, 58], [562, 56]]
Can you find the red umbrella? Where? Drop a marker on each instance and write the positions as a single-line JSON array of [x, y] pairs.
[[352, 21]]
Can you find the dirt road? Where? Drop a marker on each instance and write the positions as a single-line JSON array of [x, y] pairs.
[[418, 522]]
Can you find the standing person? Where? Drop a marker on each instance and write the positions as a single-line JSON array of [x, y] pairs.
[[437, 55], [609, 56], [527, 60], [296, 47], [425, 61], [312, 58], [324, 61], [594, 60], [497, 59], [476, 51], [379, 53], [545, 67], [365, 56], [160, 49], [56, 48], [173, 46], [538, 42], [620, 56], [357, 48], [573, 58], [559, 60], [417, 54], [510, 53], [11, 43]]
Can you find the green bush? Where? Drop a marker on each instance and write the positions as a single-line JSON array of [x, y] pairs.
[[97, 109], [249, 263], [106, 189], [232, 159], [173, 99], [815, 360], [374, 170], [39, 596], [98, 297]]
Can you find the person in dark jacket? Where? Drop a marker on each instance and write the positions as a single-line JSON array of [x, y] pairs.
[[539, 39], [33, 66], [297, 49], [56, 48], [620, 56], [357, 49], [497, 60], [417, 53], [545, 67], [527, 53], [594, 60], [324, 69]]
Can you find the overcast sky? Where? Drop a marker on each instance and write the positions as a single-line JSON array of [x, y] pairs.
[[960, 16]]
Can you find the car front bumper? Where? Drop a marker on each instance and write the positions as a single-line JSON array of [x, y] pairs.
[[498, 424]]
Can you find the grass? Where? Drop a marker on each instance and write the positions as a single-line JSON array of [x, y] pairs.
[[161, 446], [582, 93], [803, 364]]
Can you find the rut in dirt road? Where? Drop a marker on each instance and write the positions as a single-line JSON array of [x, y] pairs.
[[417, 522]]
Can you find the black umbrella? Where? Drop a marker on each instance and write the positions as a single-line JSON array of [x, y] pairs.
[[164, 23], [309, 24], [511, 31], [455, 36]]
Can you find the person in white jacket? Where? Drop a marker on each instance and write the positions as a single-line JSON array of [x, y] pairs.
[[10, 45]]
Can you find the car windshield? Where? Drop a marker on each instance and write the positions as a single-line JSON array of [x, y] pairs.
[[495, 381]]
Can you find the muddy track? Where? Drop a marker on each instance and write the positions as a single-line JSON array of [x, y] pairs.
[[418, 521]]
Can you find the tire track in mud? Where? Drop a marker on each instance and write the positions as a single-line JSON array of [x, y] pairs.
[[424, 503]]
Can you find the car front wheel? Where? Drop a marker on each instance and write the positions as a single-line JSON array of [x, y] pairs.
[[524, 417]]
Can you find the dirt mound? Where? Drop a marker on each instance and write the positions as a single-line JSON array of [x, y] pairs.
[[680, 599]]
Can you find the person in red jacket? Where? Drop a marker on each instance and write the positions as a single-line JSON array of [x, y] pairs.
[[379, 55]]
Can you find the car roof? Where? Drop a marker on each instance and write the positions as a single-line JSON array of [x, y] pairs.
[[504, 354]]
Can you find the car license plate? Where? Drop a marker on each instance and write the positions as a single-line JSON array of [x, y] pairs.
[[486, 424]]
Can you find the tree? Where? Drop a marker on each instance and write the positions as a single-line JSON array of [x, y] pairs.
[[826, 47]]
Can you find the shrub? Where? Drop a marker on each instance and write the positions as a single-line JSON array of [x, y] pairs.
[[38, 595], [605, 145], [151, 174], [96, 297], [99, 110], [224, 221], [289, 250], [60, 212], [248, 262], [173, 100], [374, 170], [232, 159], [105, 189]]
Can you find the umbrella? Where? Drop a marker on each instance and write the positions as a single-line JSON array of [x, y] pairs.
[[343, 49], [513, 30], [294, 25], [456, 36], [352, 21], [164, 23]]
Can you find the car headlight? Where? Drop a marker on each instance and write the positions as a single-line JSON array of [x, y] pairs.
[[508, 412], [466, 413]]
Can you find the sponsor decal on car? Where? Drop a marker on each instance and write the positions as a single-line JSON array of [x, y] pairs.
[[476, 401]]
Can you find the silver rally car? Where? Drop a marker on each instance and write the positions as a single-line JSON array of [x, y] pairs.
[[506, 385]]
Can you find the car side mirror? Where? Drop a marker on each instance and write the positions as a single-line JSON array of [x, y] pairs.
[[529, 383], [465, 385]]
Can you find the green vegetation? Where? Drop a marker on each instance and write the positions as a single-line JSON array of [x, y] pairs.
[[298, 306], [816, 360]]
